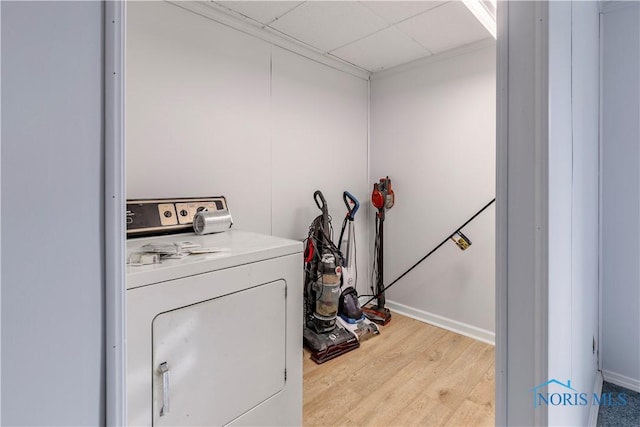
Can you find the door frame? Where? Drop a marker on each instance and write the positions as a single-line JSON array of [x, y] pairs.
[[522, 196], [525, 40], [114, 215]]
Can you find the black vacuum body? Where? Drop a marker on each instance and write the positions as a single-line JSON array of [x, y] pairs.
[[323, 269]]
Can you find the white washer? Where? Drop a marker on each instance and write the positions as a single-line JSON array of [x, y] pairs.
[[215, 339]]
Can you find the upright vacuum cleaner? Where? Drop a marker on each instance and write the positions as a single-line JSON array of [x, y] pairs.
[[349, 311], [322, 334], [383, 199]]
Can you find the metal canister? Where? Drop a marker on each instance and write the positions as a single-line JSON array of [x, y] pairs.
[[207, 222]]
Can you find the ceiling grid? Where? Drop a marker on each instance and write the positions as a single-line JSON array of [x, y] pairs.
[[372, 35]]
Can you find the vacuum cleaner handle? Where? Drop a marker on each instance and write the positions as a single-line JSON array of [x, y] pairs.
[[323, 206], [351, 211]]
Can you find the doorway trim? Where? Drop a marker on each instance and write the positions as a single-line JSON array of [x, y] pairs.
[[502, 119], [522, 196], [114, 215], [525, 39]]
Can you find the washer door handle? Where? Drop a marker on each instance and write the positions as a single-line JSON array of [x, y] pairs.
[[164, 370]]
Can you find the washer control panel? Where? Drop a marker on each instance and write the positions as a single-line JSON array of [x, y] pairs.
[[147, 217]]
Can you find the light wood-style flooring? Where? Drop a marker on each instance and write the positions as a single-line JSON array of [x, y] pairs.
[[411, 374]]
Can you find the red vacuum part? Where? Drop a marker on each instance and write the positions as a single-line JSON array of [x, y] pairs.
[[377, 198], [308, 252]]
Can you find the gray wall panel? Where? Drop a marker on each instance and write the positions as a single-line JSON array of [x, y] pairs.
[[52, 268], [620, 349]]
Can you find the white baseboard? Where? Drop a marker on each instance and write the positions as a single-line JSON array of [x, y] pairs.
[[443, 322], [621, 380], [597, 390]]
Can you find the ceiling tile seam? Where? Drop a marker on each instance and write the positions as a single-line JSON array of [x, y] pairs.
[[409, 17], [361, 38], [415, 16], [374, 12], [394, 25], [315, 49], [376, 32], [423, 12], [237, 14], [268, 24], [416, 41], [338, 47]]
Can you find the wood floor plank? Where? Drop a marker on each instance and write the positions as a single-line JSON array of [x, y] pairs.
[[325, 411], [411, 374], [471, 414], [399, 390], [387, 361], [454, 384], [373, 355], [484, 392], [431, 363], [423, 411]]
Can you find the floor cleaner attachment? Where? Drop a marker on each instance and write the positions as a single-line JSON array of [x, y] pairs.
[[350, 312]]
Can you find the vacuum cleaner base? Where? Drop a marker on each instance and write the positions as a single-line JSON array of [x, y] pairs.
[[381, 316], [363, 329], [329, 345]]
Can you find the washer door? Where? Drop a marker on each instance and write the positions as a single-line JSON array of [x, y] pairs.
[[215, 360]]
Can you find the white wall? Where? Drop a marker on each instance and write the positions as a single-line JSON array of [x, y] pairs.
[[573, 200], [211, 110], [620, 348], [433, 133], [53, 369], [319, 138], [197, 112]]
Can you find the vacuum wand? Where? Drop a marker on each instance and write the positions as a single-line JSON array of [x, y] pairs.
[[382, 198], [431, 252]]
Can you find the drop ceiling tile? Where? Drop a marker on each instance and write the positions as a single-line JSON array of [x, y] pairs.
[[383, 49], [445, 27], [396, 11], [328, 25], [261, 11]]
